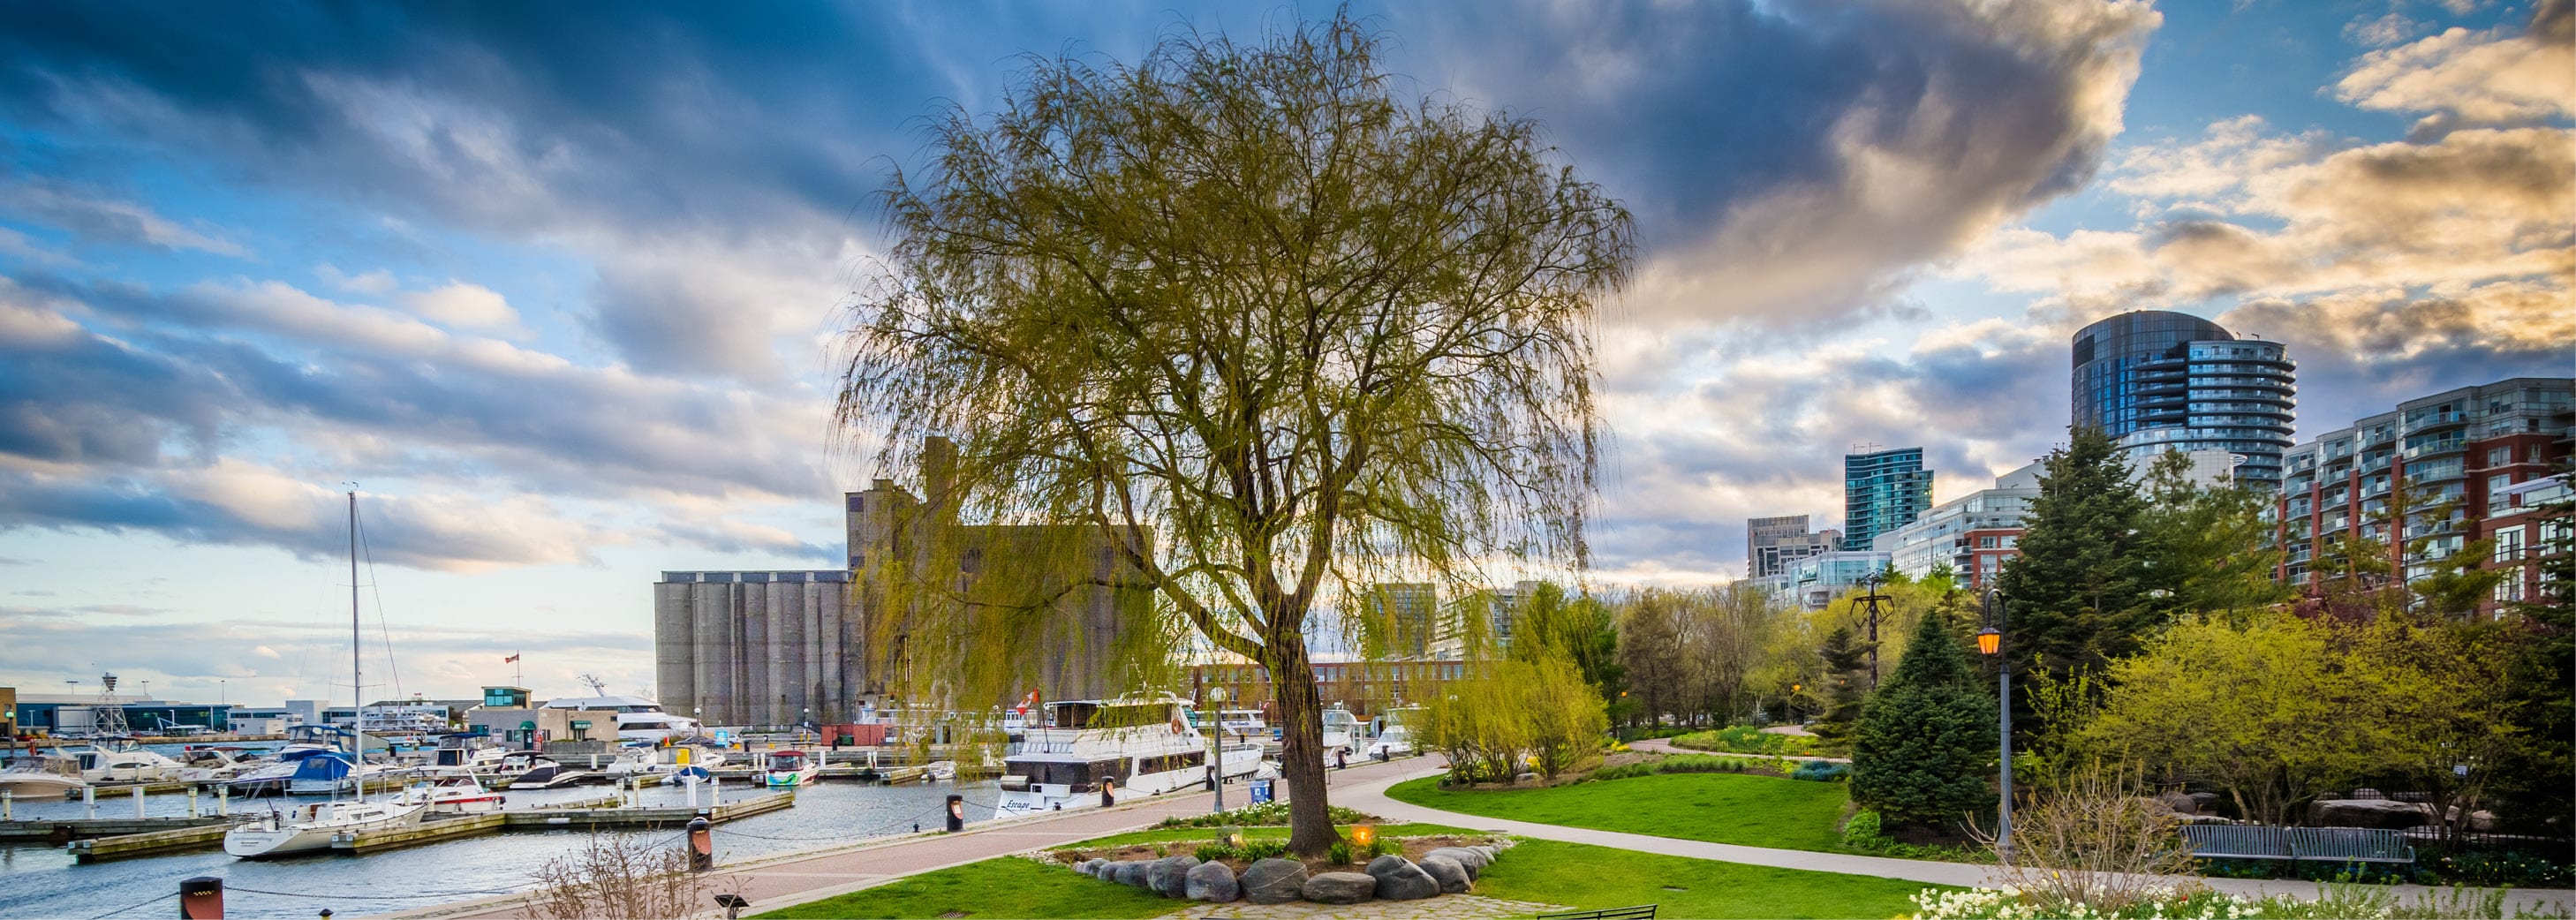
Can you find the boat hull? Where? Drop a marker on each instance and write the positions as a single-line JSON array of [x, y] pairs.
[[41, 785]]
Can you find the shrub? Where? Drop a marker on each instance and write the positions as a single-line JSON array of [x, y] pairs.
[[1920, 752], [1625, 771], [1862, 832], [1821, 771], [1747, 739], [1340, 852], [618, 877], [1702, 763], [2097, 842], [1266, 814]]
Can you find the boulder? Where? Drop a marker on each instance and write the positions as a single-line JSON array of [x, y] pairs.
[[2377, 813], [1169, 876], [1525, 779], [1339, 887], [1452, 877], [2205, 802], [1274, 881], [1468, 858], [1398, 879], [1212, 882], [1090, 866], [2480, 821], [2179, 803], [1132, 872]]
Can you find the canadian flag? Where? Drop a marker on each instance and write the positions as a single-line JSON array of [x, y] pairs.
[[509, 659]]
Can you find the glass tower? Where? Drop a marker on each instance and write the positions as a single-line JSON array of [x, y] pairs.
[[2157, 381], [1882, 491]]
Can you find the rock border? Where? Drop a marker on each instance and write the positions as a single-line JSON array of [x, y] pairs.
[[1391, 877]]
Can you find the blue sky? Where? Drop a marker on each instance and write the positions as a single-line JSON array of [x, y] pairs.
[[556, 284]]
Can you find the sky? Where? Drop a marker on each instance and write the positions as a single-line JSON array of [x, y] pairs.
[[555, 285]]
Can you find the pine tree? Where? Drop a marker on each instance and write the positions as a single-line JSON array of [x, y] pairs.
[[1846, 680], [1927, 737], [2077, 595]]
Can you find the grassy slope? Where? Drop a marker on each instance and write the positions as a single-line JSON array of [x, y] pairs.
[[1590, 877], [1004, 887], [1759, 811]]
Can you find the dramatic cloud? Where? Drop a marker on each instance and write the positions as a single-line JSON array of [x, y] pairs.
[[1793, 165], [2497, 76]]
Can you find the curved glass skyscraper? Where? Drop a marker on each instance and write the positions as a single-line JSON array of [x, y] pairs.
[[2156, 381]]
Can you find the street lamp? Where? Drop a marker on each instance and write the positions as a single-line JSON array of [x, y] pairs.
[[1216, 756], [1990, 641]]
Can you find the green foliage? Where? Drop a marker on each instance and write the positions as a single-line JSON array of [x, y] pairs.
[[2334, 901], [1822, 771], [1007, 886], [1513, 713], [1270, 814], [2077, 594], [1924, 744], [1747, 739], [1592, 878], [1862, 832], [1551, 624], [2262, 712], [1625, 771], [1683, 763], [1713, 654], [1209, 311], [1249, 851], [2210, 548], [1340, 852], [1846, 678]]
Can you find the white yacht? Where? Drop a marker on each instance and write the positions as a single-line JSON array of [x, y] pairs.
[[1242, 722], [311, 827], [1343, 733], [43, 774], [455, 791], [1131, 748], [132, 765], [1395, 741], [638, 719]]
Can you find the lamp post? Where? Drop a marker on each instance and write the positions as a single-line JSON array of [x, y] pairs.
[[1216, 754], [1990, 641]]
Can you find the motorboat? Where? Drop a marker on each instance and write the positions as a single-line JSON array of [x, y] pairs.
[[310, 828], [469, 750], [544, 773], [1088, 750], [942, 770], [638, 718], [797, 768], [43, 775], [455, 791], [211, 765], [274, 773], [1343, 733], [1396, 741], [130, 765]]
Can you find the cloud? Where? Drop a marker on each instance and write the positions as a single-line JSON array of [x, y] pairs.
[[461, 305], [106, 220], [2384, 30], [1796, 165], [2487, 77], [378, 282]]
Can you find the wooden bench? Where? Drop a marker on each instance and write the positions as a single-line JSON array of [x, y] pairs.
[[2322, 844], [1639, 912]]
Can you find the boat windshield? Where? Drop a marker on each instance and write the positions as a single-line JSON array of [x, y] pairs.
[[1106, 715], [1061, 773]]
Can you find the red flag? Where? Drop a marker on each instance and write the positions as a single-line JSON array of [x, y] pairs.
[[509, 659]]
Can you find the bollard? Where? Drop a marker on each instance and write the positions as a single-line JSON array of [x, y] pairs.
[[89, 800], [956, 813], [223, 801], [192, 802], [138, 800], [702, 845], [692, 783], [201, 898], [5, 796], [715, 792]]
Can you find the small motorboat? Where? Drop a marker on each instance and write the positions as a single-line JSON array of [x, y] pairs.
[[545, 773], [793, 768], [455, 791], [310, 828], [940, 770]]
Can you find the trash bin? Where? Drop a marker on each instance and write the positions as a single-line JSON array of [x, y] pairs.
[[1261, 792]]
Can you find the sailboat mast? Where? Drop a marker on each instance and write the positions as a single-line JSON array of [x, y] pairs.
[[357, 690]]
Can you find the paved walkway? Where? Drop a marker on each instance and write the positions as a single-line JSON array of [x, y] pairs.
[[1370, 796], [782, 881]]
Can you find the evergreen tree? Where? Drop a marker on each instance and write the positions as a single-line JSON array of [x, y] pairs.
[[2077, 595], [1927, 737], [1846, 680], [2211, 551]]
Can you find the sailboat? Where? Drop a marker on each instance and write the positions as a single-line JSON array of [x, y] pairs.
[[312, 827]]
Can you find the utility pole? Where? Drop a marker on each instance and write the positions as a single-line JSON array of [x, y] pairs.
[[1873, 599]]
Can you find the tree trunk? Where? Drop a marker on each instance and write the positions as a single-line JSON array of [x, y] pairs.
[[1301, 752]]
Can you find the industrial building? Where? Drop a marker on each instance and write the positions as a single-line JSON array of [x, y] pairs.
[[756, 648]]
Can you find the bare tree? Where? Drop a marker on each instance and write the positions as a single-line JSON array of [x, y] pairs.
[[618, 877], [1286, 331]]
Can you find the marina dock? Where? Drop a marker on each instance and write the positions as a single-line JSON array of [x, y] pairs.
[[128, 838], [66, 829]]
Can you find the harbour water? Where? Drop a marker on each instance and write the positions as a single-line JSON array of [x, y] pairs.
[[37, 880]]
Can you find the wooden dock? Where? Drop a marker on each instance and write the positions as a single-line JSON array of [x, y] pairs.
[[150, 843], [68, 829]]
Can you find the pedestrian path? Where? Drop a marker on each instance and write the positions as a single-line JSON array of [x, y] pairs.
[[1370, 796], [783, 881]]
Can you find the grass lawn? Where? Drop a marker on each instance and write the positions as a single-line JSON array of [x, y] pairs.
[[1005, 887], [1197, 835], [1756, 811], [1590, 877]]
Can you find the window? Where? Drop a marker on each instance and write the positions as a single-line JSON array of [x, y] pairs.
[[2497, 482], [2509, 590], [2508, 545], [2500, 456]]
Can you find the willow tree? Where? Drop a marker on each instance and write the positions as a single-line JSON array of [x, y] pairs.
[[1288, 329]]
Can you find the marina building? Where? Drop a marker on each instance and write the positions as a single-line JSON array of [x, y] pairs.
[[1882, 490], [2470, 456], [756, 648], [1773, 544], [2156, 381]]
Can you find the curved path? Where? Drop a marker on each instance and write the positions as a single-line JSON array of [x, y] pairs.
[[1666, 746], [1370, 796]]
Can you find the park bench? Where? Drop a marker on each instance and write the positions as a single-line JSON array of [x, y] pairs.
[[1639, 912], [2324, 844]]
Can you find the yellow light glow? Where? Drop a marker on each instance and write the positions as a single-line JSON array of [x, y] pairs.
[[1362, 834], [1989, 640]]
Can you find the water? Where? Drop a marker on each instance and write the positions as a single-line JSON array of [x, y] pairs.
[[42, 881]]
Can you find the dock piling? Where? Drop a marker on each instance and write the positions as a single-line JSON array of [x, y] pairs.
[[192, 803], [223, 801], [89, 800], [715, 792], [5, 796], [702, 845], [138, 800]]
